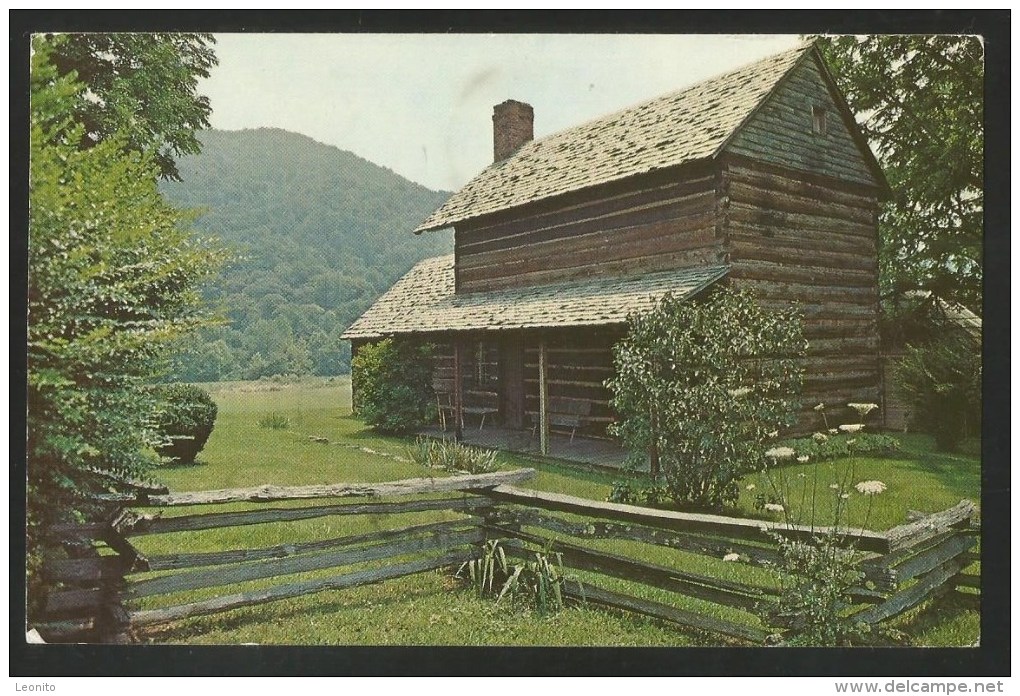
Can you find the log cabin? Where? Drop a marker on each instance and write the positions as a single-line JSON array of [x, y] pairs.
[[759, 178]]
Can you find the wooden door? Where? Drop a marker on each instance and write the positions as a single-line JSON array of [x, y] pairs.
[[511, 361]]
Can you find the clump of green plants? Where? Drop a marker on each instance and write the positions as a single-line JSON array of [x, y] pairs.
[[488, 571], [704, 384], [274, 421], [815, 583], [184, 421], [448, 455], [628, 493], [392, 385], [537, 582]]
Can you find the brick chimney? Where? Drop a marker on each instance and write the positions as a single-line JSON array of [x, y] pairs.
[[513, 125]]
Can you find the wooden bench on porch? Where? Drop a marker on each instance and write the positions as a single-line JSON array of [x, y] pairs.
[[566, 413]]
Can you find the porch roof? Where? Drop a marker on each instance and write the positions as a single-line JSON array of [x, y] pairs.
[[423, 301]]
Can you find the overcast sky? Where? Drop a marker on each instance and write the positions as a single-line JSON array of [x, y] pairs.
[[422, 104]]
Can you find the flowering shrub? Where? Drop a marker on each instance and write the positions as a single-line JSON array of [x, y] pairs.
[[706, 383]]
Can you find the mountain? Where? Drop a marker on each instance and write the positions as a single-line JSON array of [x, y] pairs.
[[317, 233]]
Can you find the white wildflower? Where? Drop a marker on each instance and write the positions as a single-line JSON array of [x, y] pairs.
[[803, 458], [870, 487], [730, 557], [834, 486], [852, 427], [820, 438], [801, 474], [820, 407], [833, 431], [844, 496], [780, 453], [751, 486], [774, 434], [863, 409], [774, 507], [737, 393], [851, 441]]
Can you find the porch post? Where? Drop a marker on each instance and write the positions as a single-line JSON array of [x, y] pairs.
[[458, 390], [543, 398]]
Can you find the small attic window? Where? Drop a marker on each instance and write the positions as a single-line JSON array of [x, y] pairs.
[[818, 124]]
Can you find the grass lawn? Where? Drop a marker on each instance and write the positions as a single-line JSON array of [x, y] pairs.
[[322, 443]]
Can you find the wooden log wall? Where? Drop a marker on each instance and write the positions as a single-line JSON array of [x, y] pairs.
[[579, 362], [783, 130], [661, 226], [479, 371], [811, 242]]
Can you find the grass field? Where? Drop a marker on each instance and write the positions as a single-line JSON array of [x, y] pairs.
[[320, 442]]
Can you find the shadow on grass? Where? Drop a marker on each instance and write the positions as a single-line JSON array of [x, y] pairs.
[[354, 602], [951, 620], [172, 464], [960, 472]]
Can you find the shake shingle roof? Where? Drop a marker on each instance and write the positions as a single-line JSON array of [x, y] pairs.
[[682, 127], [423, 301]]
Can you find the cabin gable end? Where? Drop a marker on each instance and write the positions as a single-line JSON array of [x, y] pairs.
[[803, 126]]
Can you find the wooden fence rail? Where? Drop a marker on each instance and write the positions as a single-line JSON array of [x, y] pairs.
[[902, 567]]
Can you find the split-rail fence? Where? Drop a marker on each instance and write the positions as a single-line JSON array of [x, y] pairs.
[[105, 576]]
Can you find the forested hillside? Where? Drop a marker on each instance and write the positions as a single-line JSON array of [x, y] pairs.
[[317, 234]]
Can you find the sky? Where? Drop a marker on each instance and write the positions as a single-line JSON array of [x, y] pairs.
[[421, 104]]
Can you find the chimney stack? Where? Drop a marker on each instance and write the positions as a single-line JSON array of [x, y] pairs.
[[513, 125]]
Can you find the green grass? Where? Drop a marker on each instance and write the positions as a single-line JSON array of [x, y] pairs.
[[323, 443], [919, 479]]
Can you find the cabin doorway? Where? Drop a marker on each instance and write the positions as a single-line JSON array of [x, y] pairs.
[[511, 363]]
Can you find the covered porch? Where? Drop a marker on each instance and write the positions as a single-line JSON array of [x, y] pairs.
[[523, 369], [598, 453]]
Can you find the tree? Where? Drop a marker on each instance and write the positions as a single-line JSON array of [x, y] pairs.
[[139, 87], [919, 101], [704, 384], [113, 281], [941, 379]]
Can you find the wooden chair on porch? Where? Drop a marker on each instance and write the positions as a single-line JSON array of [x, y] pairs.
[[444, 400]]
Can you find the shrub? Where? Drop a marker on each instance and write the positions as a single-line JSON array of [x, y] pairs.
[[836, 447], [707, 383], [274, 421], [184, 420], [942, 382], [452, 456], [393, 385]]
